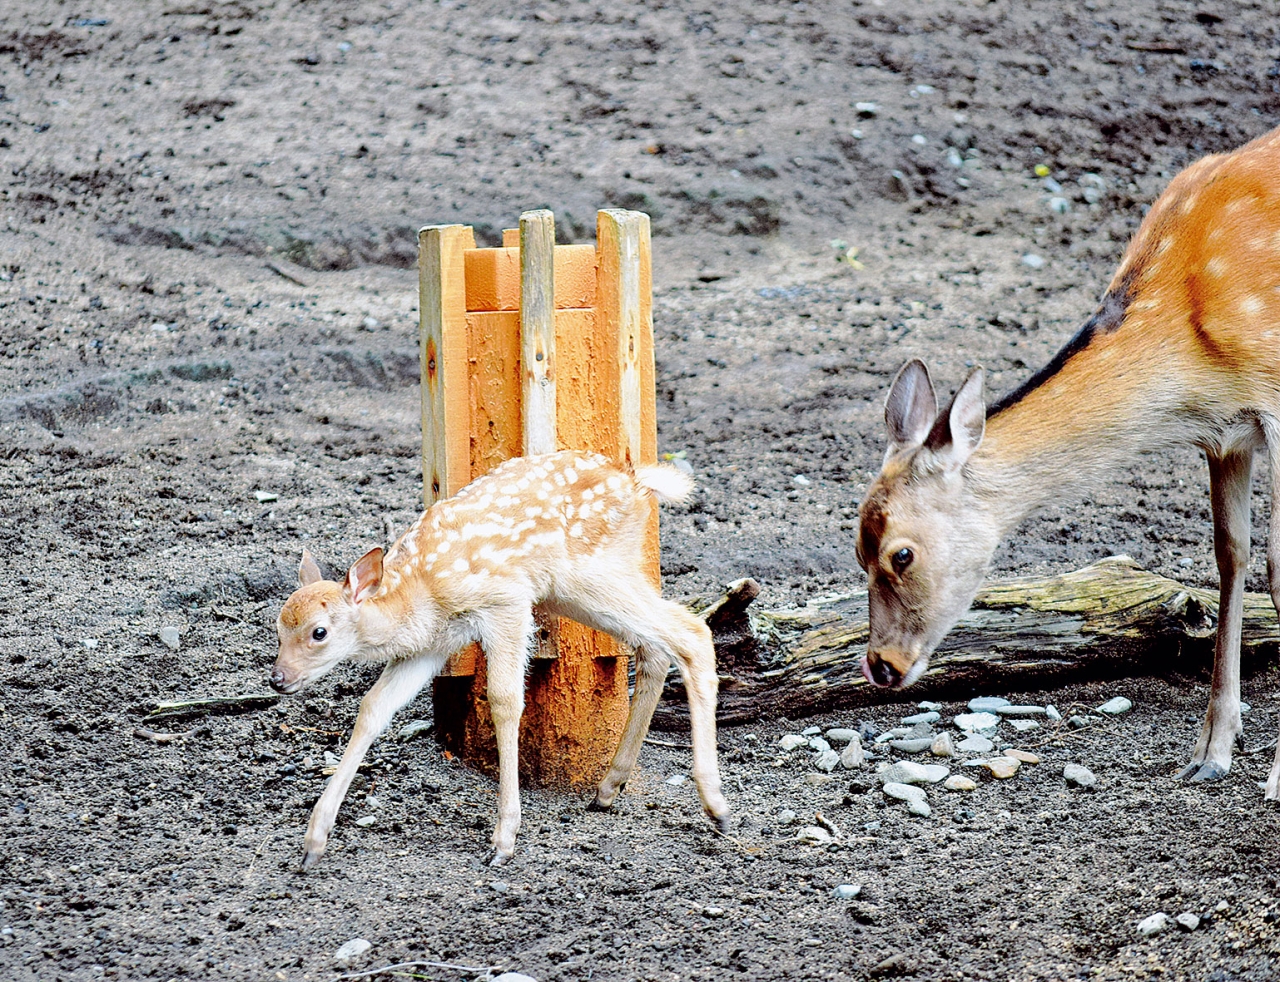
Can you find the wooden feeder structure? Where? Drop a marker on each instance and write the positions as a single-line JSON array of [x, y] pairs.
[[527, 349]]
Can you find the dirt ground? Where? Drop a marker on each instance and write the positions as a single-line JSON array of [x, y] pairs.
[[206, 291]]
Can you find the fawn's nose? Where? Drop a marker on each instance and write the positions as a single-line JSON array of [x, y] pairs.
[[879, 672]]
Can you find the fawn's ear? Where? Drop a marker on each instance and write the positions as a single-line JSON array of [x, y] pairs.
[[364, 578], [308, 571]]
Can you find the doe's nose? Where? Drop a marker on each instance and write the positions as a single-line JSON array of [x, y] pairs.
[[277, 680], [879, 672]]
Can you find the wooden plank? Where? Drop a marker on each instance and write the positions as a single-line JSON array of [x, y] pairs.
[[511, 238], [493, 355], [624, 294], [575, 268], [537, 331], [443, 345], [493, 279]]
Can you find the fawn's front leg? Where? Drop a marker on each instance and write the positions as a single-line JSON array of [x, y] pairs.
[[395, 688], [1229, 486], [505, 634]]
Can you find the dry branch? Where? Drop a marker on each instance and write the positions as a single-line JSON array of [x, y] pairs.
[[1106, 620]]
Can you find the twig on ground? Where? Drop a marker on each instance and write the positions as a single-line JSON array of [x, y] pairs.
[[216, 704], [477, 969], [667, 743], [1261, 747], [144, 734], [280, 271]]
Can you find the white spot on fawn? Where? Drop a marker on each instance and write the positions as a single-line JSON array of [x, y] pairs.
[[1216, 266]]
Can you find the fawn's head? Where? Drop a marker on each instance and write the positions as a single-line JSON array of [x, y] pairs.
[[318, 626], [923, 543]]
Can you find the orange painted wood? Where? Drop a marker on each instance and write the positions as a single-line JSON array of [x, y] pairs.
[[601, 362], [443, 344]]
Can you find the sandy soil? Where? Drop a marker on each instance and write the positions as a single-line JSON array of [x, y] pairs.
[[206, 290]]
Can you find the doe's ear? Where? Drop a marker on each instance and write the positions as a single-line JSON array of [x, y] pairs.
[[959, 430], [910, 407], [364, 578], [308, 571]]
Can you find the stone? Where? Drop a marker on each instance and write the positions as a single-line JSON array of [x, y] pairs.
[[498, 886], [1187, 921], [352, 950], [917, 803], [814, 835], [912, 746], [514, 977], [265, 497], [792, 741], [942, 746], [852, 756], [1026, 756], [366, 820], [817, 780], [932, 716], [1079, 722], [1021, 711], [929, 707], [1003, 767], [1116, 706], [413, 728], [847, 891], [819, 744], [905, 772], [982, 723], [841, 735], [987, 704], [811, 731], [169, 635], [675, 780], [786, 817], [1023, 725], [1052, 712], [1079, 776], [1155, 924], [897, 733], [827, 761], [868, 731], [958, 782], [975, 745]]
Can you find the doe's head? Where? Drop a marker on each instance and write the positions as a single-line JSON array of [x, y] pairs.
[[924, 541], [318, 626]]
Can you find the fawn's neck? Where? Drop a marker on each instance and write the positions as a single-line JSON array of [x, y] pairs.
[[400, 621]]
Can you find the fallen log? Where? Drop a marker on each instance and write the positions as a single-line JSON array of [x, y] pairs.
[[1107, 620]]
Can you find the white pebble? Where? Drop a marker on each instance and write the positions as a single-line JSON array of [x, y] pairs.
[[169, 635], [1116, 706], [1155, 924], [352, 950]]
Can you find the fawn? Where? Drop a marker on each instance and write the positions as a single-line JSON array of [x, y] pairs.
[[1183, 349], [563, 530]]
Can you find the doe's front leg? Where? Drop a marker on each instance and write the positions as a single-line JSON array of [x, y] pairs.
[[395, 688], [1229, 488]]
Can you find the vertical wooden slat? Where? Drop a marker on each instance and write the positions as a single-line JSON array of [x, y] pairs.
[[624, 308], [538, 331], [442, 332]]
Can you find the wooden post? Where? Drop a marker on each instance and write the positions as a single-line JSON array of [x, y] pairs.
[[558, 346]]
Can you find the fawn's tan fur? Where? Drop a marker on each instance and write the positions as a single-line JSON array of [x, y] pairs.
[[1184, 349], [563, 530]]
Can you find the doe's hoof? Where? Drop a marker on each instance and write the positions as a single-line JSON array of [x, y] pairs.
[[599, 806]]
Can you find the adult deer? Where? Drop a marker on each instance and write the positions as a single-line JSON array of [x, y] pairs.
[[564, 530], [1183, 349]]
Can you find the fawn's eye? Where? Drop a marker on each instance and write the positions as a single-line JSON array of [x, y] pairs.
[[319, 634], [902, 559]]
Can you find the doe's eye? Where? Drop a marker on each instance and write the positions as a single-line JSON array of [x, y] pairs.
[[902, 559], [319, 634]]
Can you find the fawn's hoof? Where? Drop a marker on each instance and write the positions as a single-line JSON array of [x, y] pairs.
[[1199, 771], [497, 857], [721, 822], [599, 806], [310, 858]]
